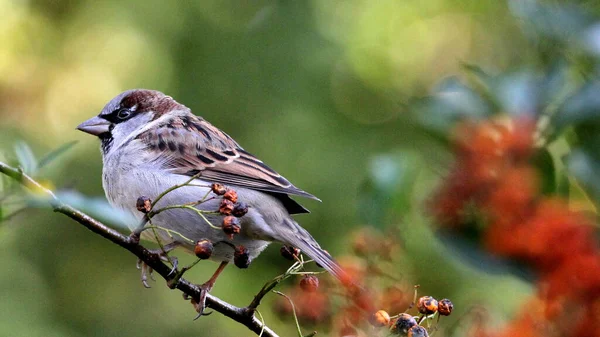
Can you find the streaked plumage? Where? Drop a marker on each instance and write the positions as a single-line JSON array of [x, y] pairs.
[[150, 143]]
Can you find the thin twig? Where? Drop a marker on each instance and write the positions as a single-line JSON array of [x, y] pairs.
[[293, 270], [293, 311]]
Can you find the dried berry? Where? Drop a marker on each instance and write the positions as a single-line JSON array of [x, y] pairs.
[[289, 252], [427, 305], [143, 204], [445, 307], [231, 195], [417, 331], [203, 249], [380, 318], [309, 283], [226, 207], [218, 189], [241, 257], [240, 209], [231, 226], [403, 323]]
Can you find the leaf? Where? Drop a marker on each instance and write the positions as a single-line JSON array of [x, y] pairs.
[[544, 163], [26, 158], [476, 70], [97, 208], [389, 185], [518, 94], [562, 22], [586, 169], [453, 101], [56, 153], [582, 106], [470, 252]]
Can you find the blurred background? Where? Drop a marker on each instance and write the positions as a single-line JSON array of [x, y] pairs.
[[338, 96]]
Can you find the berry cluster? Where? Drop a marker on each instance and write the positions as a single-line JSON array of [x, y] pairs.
[[350, 310], [233, 211], [496, 178]]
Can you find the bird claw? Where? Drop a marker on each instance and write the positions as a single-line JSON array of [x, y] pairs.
[[147, 271], [200, 303]]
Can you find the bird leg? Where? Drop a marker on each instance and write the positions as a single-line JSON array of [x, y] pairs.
[[205, 288], [162, 255]]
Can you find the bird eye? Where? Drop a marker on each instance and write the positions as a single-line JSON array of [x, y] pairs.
[[124, 113]]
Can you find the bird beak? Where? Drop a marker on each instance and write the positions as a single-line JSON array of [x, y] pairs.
[[95, 126]]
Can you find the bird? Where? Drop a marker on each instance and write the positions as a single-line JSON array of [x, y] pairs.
[[150, 143]]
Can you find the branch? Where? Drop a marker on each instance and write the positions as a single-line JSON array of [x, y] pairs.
[[240, 315]]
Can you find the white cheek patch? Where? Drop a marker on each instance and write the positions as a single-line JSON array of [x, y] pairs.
[[125, 131]]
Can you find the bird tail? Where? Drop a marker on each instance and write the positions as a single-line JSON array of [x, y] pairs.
[[301, 239]]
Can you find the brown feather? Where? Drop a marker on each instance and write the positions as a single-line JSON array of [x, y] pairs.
[[194, 145]]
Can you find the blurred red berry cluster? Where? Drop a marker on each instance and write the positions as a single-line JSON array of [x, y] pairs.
[[375, 308], [495, 179]]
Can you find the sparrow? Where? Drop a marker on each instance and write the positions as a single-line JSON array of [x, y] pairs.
[[150, 143]]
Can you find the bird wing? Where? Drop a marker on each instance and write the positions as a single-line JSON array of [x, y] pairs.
[[191, 145]]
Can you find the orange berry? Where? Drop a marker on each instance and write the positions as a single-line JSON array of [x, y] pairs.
[[427, 305], [218, 189], [380, 318], [226, 207], [231, 226], [231, 195]]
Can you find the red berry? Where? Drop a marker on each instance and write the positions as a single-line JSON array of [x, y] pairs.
[[203, 249], [241, 257], [231, 226], [231, 195], [445, 307], [218, 189], [309, 283], [226, 207]]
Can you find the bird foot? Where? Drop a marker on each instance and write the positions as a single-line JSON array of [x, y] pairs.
[[200, 303], [146, 270]]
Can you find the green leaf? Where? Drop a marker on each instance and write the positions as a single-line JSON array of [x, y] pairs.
[[544, 163], [97, 208], [586, 169], [388, 186], [56, 153], [452, 101], [476, 71], [517, 93], [583, 106], [26, 158], [560, 22]]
